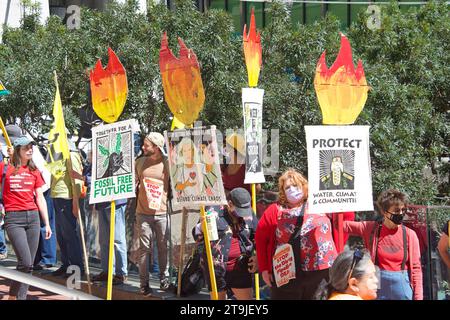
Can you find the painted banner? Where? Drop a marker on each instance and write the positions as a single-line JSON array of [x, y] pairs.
[[154, 190], [182, 82], [109, 88], [113, 162], [341, 90], [252, 101], [339, 174], [194, 167]]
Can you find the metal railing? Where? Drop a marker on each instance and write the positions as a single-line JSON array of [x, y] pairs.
[[45, 284]]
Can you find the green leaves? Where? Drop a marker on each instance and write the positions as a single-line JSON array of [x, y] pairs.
[[118, 143], [104, 151]]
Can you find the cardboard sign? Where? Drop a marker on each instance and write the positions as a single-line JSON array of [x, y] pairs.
[[194, 167], [154, 190], [339, 178], [113, 162], [284, 264], [252, 100]]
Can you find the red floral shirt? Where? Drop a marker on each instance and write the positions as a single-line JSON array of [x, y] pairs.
[[317, 249]]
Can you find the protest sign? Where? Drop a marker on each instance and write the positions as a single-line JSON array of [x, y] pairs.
[[339, 178], [113, 162]]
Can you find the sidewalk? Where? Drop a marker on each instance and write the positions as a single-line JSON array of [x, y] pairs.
[[127, 291]]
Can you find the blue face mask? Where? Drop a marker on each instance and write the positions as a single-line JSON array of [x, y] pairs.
[[294, 194]]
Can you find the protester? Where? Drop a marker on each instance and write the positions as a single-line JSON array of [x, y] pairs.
[[268, 198], [3, 248], [444, 246], [66, 203], [23, 200], [120, 262], [233, 170], [352, 277], [233, 252], [394, 248], [152, 223], [306, 238]]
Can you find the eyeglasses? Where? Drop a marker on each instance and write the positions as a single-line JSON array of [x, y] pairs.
[[357, 256], [401, 211]]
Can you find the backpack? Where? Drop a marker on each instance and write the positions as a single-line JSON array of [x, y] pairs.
[[192, 280]]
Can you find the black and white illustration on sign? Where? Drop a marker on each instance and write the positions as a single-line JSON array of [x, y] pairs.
[[337, 169], [114, 155], [252, 100]]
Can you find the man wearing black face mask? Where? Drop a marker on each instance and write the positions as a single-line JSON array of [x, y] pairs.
[[233, 253], [394, 248]]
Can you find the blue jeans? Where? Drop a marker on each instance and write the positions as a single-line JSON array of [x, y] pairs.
[[46, 253], [120, 242], [3, 249], [67, 234], [394, 285]]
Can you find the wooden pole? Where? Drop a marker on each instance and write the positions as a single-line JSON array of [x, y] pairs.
[[182, 247], [111, 251], [254, 211], [212, 275]]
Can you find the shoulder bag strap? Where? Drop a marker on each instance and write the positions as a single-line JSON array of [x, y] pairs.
[[405, 247]]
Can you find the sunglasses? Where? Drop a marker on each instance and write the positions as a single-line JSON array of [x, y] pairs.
[[357, 256]]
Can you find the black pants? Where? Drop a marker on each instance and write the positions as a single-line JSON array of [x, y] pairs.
[[301, 288], [23, 229]]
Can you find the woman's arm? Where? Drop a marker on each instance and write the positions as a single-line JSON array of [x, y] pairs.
[[42, 205], [416, 266]]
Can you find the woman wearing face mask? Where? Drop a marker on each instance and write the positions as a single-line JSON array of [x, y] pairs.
[[394, 248], [233, 251], [295, 248]]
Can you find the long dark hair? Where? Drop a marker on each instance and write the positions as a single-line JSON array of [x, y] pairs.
[[339, 274], [17, 163]]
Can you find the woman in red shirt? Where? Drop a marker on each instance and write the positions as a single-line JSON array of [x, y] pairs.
[[295, 249], [394, 248], [23, 198]]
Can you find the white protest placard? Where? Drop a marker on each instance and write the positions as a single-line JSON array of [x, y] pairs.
[[252, 104], [113, 162], [339, 174]]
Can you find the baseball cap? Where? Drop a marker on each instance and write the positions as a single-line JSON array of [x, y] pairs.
[[242, 201], [23, 141], [157, 139]]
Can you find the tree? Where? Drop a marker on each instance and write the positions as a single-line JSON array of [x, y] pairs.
[[406, 63]]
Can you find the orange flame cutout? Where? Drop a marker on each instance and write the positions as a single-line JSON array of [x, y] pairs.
[[182, 82], [341, 90], [252, 51], [109, 88]]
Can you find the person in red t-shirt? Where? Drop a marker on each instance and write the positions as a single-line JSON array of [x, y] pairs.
[[394, 248], [23, 200]]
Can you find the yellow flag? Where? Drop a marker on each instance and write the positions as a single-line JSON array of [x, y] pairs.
[[58, 146]]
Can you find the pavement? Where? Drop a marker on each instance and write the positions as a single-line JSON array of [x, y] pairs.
[[126, 291]]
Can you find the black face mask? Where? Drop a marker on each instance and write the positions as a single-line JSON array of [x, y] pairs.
[[396, 218]]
